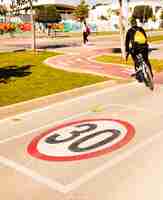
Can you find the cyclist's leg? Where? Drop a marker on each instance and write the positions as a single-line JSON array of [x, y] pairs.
[[134, 58], [136, 64]]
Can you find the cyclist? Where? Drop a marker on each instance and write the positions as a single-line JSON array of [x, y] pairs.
[[136, 42]]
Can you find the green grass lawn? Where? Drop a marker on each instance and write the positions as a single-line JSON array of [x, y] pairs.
[[23, 76], [156, 64], [156, 38]]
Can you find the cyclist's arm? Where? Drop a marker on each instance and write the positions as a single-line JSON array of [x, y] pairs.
[[127, 42]]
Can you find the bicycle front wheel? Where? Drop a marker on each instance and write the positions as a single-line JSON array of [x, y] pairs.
[[148, 79]]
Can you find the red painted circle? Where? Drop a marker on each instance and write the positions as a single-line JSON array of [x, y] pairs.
[[33, 150]]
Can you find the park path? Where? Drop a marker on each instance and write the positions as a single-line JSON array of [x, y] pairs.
[[83, 60]]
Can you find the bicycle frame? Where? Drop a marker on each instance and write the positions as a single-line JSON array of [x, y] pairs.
[[142, 64]]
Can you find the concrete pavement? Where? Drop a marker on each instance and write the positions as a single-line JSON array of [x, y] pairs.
[[104, 143], [127, 163]]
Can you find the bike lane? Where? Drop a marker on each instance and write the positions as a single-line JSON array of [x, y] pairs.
[[84, 61], [46, 166], [79, 148]]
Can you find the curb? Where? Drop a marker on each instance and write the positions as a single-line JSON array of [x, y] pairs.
[[18, 108], [93, 59], [69, 69]]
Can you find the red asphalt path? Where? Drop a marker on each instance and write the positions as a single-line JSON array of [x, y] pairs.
[[83, 60]]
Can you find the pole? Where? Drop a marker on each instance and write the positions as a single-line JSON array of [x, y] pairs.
[[123, 21], [121, 27], [33, 27]]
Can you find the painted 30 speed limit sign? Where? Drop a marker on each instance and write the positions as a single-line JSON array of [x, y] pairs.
[[81, 139]]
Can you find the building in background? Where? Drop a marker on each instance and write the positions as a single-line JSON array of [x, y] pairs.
[[103, 15], [106, 12], [65, 7]]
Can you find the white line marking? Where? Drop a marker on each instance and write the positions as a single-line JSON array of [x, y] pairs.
[[69, 101], [70, 187], [65, 189], [62, 63], [52, 184], [73, 53], [34, 175], [112, 163], [71, 62], [43, 127], [91, 111]]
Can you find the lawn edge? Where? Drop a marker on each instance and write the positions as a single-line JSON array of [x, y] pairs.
[[44, 101]]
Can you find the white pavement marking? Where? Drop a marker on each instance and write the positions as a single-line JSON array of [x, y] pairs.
[[65, 119], [67, 188], [70, 187], [128, 71], [79, 59], [34, 175], [73, 53], [92, 110], [43, 127], [113, 162], [112, 89], [62, 63], [70, 62]]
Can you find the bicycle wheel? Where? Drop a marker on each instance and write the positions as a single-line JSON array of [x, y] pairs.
[[148, 79]]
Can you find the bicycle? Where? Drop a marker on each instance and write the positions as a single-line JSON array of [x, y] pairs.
[[143, 72]]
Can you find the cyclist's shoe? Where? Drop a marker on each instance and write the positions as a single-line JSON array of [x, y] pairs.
[[139, 80], [133, 74], [138, 76]]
